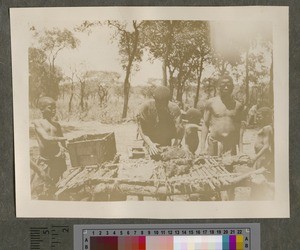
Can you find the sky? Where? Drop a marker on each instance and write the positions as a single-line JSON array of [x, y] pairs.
[[97, 51]]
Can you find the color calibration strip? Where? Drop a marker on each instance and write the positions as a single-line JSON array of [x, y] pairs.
[[203, 242], [209, 236]]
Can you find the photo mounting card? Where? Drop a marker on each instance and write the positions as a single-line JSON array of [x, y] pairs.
[[151, 112]]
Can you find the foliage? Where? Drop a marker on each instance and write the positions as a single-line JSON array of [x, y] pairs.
[[39, 75], [51, 42], [54, 40], [183, 46]]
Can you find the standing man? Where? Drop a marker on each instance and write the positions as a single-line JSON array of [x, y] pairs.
[[159, 121], [51, 161], [222, 121]]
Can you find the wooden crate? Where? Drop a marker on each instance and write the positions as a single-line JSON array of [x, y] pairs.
[[89, 150], [136, 152]]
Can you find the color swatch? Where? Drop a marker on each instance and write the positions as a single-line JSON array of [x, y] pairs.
[[199, 242]]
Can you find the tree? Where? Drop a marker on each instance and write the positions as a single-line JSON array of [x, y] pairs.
[[71, 78], [130, 50], [202, 53], [51, 42], [158, 38], [183, 47], [39, 75], [82, 78], [102, 92], [190, 50], [128, 34], [237, 46]]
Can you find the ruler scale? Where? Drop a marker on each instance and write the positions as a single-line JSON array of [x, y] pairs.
[[52, 238]]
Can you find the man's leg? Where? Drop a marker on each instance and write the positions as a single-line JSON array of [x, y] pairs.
[[212, 146]]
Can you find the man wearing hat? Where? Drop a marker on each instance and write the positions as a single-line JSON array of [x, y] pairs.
[[159, 121]]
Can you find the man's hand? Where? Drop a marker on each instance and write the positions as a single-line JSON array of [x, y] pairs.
[[153, 150], [64, 149], [258, 179], [251, 162], [62, 139]]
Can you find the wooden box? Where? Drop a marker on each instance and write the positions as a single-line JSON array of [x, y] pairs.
[[136, 152], [89, 150]]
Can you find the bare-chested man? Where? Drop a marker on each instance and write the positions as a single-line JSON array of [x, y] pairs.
[[263, 185], [264, 142], [222, 121], [51, 142]]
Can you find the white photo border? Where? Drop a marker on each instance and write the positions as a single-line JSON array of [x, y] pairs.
[[26, 207]]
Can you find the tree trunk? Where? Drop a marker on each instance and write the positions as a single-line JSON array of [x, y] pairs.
[[179, 85], [167, 51], [271, 88], [128, 70], [100, 95], [247, 80], [164, 72], [126, 94], [179, 94], [186, 96], [54, 86], [179, 91], [70, 103], [171, 91], [82, 95], [71, 98], [198, 83], [171, 82]]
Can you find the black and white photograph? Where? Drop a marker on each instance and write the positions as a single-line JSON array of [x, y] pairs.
[[151, 112]]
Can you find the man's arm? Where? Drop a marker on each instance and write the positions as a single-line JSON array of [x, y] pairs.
[[267, 134], [179, 128], [196, 126], [241, 136], [153, 150], [45, 136], [60, 134], [243, 125], [205, 127], [142, 119]]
